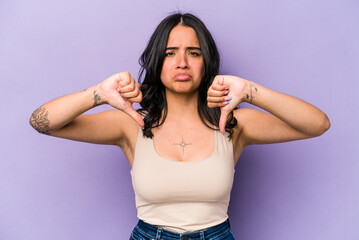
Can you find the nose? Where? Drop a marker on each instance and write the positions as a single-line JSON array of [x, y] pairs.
[[182, 61]]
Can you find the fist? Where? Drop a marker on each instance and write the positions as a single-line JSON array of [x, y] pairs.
[[129, 88], [120, 91], [226, 92]]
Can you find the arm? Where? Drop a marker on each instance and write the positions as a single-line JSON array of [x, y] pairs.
[[62, 117], [289, 118]]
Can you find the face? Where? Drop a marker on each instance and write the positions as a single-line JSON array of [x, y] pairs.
[[183, 64]]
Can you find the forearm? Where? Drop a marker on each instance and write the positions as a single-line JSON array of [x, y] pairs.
[[295, 112], [59, 112]]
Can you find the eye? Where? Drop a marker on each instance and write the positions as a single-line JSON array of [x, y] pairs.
[[196, 54], [169, 54]]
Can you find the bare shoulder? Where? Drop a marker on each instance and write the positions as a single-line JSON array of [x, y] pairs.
[[249, 128], [129, 130], [244, 115], [246, 118], [122, 125]]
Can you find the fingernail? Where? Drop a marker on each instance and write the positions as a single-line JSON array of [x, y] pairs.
[[226, 92], [228, 98]]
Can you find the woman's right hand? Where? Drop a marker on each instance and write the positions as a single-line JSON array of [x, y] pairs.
[[120, 91]]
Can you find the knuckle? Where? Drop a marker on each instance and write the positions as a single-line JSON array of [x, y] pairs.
[[125, 75], [135, 99]]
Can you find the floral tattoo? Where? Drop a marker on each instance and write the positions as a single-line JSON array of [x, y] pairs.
[[39, 121]]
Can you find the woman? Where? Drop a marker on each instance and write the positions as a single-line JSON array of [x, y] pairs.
[[183, 158]]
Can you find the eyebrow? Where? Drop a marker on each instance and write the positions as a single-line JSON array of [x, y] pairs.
[[190, 48]]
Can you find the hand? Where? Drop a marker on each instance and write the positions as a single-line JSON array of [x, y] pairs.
[[120, 91], [226, 92], [129, 88]]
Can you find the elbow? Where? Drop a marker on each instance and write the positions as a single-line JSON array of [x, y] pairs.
[[38, 120], [34, 124], [324, 125]]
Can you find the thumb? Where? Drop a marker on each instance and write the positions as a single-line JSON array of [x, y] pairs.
[[221, 81], [135, 115], [223, 120]]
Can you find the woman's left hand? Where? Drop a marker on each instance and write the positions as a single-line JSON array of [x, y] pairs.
[[226, 92]]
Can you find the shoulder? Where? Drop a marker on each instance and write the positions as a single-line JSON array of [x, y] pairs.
[[128, 126], [122, 124], [128, 130], [244, 116]]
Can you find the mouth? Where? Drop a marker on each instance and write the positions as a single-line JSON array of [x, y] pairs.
[[182, 77]]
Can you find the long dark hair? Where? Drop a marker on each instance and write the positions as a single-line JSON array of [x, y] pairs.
[[154, 102]]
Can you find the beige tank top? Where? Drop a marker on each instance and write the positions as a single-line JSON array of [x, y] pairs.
[[183, 196]]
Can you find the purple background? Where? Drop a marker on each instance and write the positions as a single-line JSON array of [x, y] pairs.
[[58, 189]]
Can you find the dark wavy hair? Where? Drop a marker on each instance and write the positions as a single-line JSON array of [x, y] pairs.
[[154, 104]]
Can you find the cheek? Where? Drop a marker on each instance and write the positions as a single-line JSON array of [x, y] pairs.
[[164, 70], [198, 64], [199, 68], [166, 67]]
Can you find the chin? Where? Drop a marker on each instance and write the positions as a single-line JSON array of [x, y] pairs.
[[186, 91], [183, 88]]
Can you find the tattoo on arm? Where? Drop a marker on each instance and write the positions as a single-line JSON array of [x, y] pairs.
[[39, 121], [96, 98], [251, 85]]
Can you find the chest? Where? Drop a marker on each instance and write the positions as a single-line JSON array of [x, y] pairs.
[[159, 178], [184, 143]]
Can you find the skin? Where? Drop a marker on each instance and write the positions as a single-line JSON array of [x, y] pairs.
[[183, 56], [183, 136]]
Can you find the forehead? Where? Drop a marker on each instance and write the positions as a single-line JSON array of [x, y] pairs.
[[182, 36]]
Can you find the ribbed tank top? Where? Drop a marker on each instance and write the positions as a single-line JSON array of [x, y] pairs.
[[182, 196]]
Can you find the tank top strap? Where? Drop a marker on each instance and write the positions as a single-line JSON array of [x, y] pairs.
[[224, 146], [143, 145]]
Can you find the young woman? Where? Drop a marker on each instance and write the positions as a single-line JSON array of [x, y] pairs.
[[184, 143]]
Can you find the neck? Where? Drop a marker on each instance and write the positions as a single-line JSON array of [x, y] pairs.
[[182, 107]]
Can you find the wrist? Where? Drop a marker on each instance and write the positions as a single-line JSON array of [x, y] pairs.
[[96, 95], [250, 92]]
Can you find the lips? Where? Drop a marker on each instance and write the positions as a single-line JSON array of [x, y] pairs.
[[182, 77]]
